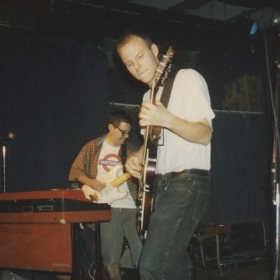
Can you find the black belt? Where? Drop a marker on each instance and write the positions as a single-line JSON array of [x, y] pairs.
[[199, 172]]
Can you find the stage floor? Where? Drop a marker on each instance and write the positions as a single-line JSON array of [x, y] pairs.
[[258, 271], [263, 270]]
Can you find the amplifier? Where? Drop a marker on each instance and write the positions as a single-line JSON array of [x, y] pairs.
[[45, 247]]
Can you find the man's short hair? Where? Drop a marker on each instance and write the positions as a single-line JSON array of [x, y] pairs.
[[128, 34], [118, 116]]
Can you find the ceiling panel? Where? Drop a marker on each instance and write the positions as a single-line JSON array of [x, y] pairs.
[[165, 26], [185, 25], [159, 4]]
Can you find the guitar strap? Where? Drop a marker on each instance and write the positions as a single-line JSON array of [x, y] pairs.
[[167, 89], [123, 154], [156, 131]]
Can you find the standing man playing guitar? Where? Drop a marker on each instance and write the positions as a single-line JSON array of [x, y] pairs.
[[181, 184], [94, 162]]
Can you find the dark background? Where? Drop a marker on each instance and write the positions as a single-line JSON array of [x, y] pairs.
[[57, 87]]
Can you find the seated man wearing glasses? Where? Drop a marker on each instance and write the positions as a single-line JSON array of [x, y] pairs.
[[95, 165]]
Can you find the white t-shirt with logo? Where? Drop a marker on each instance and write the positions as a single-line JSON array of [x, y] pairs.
[[108, 159]]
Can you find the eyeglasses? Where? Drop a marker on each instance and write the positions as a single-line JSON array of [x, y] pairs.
[[123, 132]]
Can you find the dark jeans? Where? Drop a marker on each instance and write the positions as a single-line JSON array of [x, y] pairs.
[[180, 203]]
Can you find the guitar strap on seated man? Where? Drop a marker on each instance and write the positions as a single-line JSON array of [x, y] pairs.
[[123, 154]]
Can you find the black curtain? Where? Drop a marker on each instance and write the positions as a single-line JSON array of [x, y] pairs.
[[240, 172], [54, 99]]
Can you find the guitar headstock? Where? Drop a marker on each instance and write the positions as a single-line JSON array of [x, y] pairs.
[[164, 66]]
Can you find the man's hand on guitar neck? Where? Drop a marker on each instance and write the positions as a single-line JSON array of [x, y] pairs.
[[198, 132], [93, 183], [133, 163], [153, 114]]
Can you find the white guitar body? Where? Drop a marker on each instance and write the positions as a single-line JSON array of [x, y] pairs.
[[111, 192]]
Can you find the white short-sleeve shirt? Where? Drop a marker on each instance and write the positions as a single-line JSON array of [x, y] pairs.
[[190, 101]]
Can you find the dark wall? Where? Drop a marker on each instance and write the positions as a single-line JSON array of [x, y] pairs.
[[240, 173], [219, 69], [54, 99]]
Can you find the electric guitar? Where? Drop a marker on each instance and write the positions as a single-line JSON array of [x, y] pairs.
[[111, 192], [145, 195]]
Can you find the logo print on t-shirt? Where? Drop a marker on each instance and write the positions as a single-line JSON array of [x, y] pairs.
[[110, 161]]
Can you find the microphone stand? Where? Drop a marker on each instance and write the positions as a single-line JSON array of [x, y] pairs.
[[4, 164], [276, 200], [275, 161], [275, 154]]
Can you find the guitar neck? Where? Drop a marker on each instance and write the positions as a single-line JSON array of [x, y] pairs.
[[120, 179], [149, 128]]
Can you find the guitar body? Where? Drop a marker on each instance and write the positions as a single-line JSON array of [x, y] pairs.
[[108, 195], [145, 199], [111, 175], [148, 171], [145, 196], [111, 192]]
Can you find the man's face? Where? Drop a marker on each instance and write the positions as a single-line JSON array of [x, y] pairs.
[[140, 60], [119, 134]]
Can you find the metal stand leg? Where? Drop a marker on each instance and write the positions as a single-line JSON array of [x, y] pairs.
[[98, 252], [4, 166], [218, 253]]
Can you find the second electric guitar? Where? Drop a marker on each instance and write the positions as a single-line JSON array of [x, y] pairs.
[[111, 192]]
